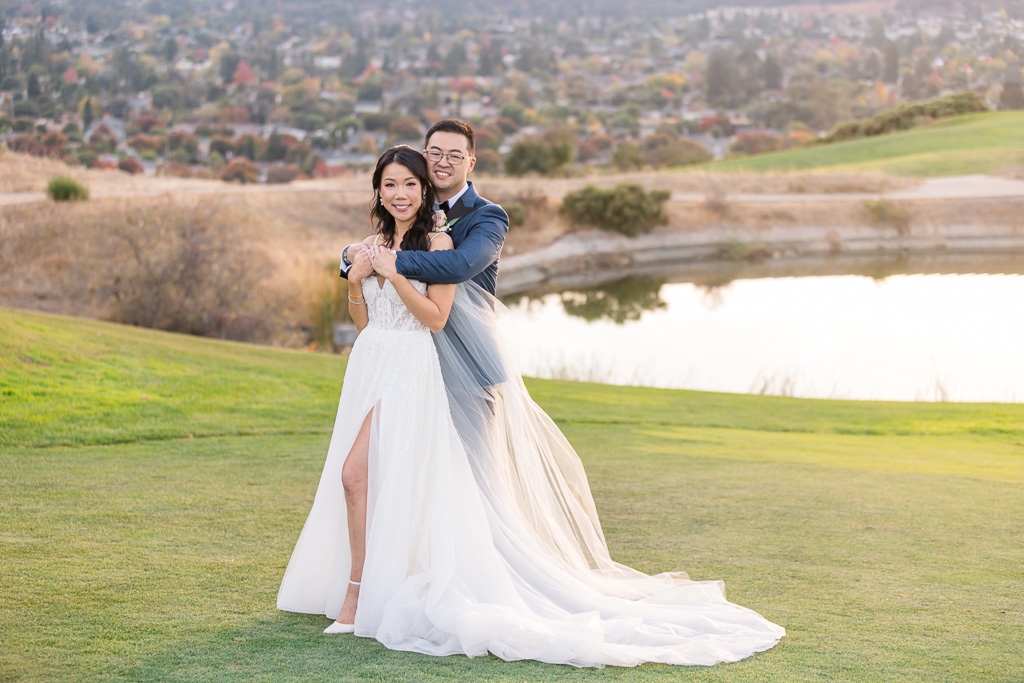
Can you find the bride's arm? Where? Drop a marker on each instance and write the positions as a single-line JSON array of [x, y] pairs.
[[432, 310]]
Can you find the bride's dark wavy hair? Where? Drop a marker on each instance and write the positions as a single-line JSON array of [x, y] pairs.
[[416, 237]]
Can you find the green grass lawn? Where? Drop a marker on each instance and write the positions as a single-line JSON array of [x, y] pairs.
[[154, 485], [972, 143]]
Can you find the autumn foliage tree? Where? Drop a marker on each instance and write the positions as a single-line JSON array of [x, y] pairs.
[[243, 74], [240, 170]]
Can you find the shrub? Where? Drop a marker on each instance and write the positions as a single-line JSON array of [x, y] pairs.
[[323, 170], [62, 188], [516, 213], [887, 212], [240, 170], [187, 144], [755, 143], [146, 123], [327, 304], [221, 145], [186, 270], [283, 174], [129, 165], [661, 151], [87, 157], [905, 117], [626, 208], [145, 143]]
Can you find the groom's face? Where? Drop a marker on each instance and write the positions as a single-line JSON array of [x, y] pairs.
[[447, 177]]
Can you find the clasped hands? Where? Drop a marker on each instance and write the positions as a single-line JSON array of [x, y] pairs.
[[370, 259]]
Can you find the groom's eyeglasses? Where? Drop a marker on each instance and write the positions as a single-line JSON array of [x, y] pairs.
[[454, 158]]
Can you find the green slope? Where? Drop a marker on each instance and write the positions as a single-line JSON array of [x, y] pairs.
[[153, 486], [973, 143]]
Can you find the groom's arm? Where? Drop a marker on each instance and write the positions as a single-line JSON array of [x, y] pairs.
[[478, 250]]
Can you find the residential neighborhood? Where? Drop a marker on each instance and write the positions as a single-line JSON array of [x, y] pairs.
[[266, 92]]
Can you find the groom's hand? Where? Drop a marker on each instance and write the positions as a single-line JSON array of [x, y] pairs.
[[348, 254]]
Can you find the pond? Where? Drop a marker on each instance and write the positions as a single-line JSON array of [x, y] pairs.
[[916, 336]]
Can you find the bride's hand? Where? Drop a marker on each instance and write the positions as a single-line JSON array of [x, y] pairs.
[[361, 265], [383, 261]]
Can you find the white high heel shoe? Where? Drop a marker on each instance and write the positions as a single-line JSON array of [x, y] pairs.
[[338, 627]]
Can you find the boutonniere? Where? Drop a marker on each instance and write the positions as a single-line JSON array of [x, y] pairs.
[[441, 222]]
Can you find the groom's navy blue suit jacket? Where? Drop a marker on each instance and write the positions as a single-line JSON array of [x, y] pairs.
[[478, 235]]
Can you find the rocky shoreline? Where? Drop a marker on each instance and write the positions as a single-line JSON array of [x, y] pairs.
[[585, 259]]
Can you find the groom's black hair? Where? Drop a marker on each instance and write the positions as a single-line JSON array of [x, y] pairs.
[[453, 126]]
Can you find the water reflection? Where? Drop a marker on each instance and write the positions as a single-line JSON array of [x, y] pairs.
[[619, 301], [869, 336]]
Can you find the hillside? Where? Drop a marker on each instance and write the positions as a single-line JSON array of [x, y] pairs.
[[155, 484], [973, 143]]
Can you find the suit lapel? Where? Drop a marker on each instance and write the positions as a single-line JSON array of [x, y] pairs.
[[465, 205]]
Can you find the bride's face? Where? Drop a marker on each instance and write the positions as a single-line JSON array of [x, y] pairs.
[[401, 192]]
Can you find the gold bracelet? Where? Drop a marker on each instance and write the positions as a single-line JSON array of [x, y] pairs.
[[362, 299]]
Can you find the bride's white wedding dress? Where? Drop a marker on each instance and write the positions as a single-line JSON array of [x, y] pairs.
[[498, 550]]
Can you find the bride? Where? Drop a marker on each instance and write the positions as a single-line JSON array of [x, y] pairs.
[[440, 542]]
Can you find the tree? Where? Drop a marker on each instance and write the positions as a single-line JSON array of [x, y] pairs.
[[619, 301], [1012, 97], [243, 74], [890, 62], [628, 157], [354, 64], [488, 161], [169, 50], [240, 170], [771, 73], [455, 60], [32, 85], [529, 156], [723, 79], [662, 150], [546, 155], [228, 64], [87, 113]]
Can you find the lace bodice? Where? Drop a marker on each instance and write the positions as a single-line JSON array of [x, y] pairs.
[[386, 309]]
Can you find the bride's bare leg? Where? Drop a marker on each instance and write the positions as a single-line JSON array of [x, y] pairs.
[[353, 479]]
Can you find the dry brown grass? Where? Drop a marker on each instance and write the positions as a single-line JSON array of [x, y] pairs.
[[21, 173], [74, 259], [1014, 173], [696, 182]]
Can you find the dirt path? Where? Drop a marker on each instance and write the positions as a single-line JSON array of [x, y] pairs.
[[952, 187]]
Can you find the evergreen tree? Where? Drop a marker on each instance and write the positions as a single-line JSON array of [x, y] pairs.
[[771, 73], [723, 79], [170, 50], [891, 62], [32, 85], [355, 63], [455, 60], [87, 115]]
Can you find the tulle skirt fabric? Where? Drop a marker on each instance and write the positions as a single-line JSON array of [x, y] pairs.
[[484, 537]]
